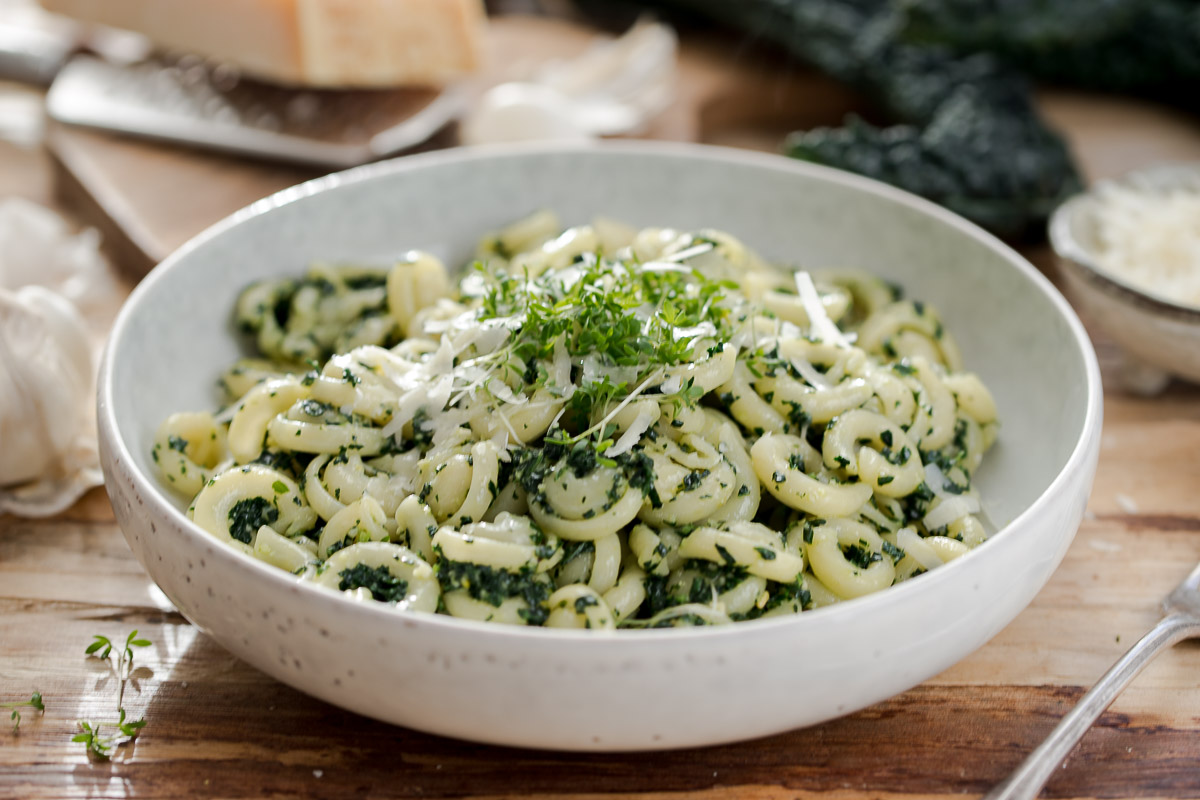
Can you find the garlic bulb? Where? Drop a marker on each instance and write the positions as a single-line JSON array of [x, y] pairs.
[[47, 426], [38, 248], [57, 298]]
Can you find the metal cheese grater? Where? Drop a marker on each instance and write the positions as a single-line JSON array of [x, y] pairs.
[[195, 102], [190, 100]]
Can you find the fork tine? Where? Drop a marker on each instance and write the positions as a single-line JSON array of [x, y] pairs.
[[1186, 596]]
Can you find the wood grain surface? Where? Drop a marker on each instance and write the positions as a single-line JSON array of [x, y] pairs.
[[218, 728]]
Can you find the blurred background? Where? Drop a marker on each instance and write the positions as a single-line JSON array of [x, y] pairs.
[[995, 110]]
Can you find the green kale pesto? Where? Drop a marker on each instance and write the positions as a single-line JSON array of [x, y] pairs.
[[247, 516], [379, 581]]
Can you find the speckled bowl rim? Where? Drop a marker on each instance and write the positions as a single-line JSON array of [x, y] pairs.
[[1082, 259], [155, 495]]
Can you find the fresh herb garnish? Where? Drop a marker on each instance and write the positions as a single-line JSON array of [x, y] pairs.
[[616, 313], [35, 701], [90, 734]]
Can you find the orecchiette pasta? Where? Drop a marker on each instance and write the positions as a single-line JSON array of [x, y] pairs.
[[600, 428]]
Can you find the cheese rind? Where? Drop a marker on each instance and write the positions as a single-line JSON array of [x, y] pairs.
[[319, 43]]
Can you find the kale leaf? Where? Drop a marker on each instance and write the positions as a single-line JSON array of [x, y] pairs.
[[379, 581], [247, 516], [964, 129]]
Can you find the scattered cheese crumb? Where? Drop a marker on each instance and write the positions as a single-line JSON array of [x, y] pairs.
[[1151, 239], [318, 773], [1127, 504]]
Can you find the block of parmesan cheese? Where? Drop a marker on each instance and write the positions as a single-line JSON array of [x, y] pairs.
[[319, 43]]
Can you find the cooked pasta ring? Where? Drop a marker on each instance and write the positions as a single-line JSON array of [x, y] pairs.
[[830, 564], [404, 566], [777, 458], [235, 504], [875, 449]]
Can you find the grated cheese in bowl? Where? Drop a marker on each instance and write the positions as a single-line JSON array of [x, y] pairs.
[[1130, 256], [1149, 238]]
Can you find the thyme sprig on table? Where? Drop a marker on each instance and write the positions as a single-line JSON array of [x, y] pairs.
[[91, 734], [124, 663], [100, 746], [35, 701]]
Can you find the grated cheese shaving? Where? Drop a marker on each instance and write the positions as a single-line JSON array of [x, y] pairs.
[[810, 374], [1151, 240], [633, 434], [820, 326]]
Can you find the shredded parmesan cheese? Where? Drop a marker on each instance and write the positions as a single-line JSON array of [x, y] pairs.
[[1151, 240], [819, 323], [641, 423], [810, 374]]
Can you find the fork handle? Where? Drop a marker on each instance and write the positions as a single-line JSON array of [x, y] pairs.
[[1027, 780]]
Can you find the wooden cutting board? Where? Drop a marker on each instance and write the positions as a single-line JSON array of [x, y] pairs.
[[149, 198]]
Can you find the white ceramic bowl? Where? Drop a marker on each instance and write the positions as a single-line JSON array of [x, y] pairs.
[[636, 689], [1153, 329]]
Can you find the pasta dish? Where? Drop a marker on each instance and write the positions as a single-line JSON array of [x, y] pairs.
[[594, 428]]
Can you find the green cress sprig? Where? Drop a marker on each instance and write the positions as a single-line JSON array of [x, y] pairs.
[[591, 308], [90, 734], [100, 746], [124, 663], [35, 701]]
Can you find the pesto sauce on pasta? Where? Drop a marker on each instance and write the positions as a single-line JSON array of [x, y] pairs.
[[598, 428]]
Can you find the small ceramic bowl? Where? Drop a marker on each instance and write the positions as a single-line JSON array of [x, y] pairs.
[[632, 690], [1154, 331]]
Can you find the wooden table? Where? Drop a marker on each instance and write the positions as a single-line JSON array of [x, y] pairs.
[[216, 727]]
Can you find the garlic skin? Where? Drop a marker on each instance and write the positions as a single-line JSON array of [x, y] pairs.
[[38, 248], [47, 423], [521, 112], [58, 297], [615, 87]]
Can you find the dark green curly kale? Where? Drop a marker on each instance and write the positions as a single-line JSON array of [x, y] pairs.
[[967, 132], [1148, 46], [970, 140]]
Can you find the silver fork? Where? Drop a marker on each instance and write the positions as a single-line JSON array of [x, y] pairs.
[[1181, 620]]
